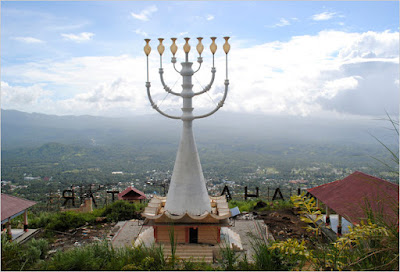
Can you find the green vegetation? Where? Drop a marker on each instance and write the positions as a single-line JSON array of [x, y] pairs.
[[62, 221], [250, 205], [122, 210], [308, 206], [229, 257], [22, 257], [372, 245], [101, 256]]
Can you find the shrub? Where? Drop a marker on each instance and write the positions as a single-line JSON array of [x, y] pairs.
[[249, 205], [21, 257], [195, 266], [40, 220], [121, 210], [372, 245], [41, 245], [66, 220], [291, 253], [89, 257], [243, 205], [266, 259], [229, 257], [102, 256]]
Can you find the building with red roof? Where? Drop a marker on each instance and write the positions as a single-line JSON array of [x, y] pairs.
[[132, 194], [11, 207], [359, 194]]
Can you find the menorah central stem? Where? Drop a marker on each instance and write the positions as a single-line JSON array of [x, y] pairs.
[[187, 192], [187, 92]]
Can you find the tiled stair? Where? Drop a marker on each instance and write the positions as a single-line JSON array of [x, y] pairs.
[[193, 252]]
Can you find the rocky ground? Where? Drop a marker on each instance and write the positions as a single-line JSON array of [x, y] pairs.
[[284, 224], [82, 236]]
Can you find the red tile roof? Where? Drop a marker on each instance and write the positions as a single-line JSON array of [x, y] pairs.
[[351, 196], [12, 205], [126, 194]]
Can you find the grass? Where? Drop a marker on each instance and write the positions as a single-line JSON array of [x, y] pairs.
[[249, 205], [22, 257], [62, 221]]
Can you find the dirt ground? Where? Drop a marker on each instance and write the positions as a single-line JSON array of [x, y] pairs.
[[284, 224], [82, 236]]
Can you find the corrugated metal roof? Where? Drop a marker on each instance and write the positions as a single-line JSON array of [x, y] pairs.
[[351, 196], [140, 194], [12, 205]]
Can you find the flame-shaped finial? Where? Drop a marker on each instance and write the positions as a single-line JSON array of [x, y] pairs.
[[186, 47], [160, 47], [173, 47], [200, 46], [147, 48], [226, 46], [213, 46]]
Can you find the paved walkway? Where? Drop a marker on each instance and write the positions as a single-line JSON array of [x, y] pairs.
[[248, 231], [127, 233]]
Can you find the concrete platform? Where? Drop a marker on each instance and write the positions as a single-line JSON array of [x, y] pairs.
[[20, 236], [127, 233], [250, 230]]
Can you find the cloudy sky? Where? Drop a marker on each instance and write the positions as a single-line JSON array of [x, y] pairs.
[[308, 58]]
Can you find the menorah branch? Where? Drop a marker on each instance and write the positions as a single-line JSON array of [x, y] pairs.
[[166, 88], [173, 62], [208, 87], [220, 104], [154, 106]]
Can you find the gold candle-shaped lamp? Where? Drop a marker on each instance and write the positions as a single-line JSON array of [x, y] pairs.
[[161, 47], [173, 47], [186, 47], [226, 46], [200, 46], [213, 46], [147, 48]]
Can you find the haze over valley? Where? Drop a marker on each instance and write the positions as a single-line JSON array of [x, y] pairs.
[[253, 150]]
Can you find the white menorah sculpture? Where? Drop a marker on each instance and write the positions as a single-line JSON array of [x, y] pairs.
[[187, 191]]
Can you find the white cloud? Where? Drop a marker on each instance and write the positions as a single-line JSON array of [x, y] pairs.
[[28, 40], [308, 74], [283, 22], [21, 98], [333, 71], [183, 33], [210, 17], [144, 14], [141, 32], [331, 88], [323, 16], [81, 37]]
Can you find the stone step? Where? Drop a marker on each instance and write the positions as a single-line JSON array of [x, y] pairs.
[[193, 259], [187, 255], [188, 250], [198, 253], [207, 259], [191, 252]]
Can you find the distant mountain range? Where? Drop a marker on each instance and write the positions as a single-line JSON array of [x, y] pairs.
[[21, 129]]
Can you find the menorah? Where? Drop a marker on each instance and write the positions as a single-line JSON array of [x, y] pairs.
[[187, 192]]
